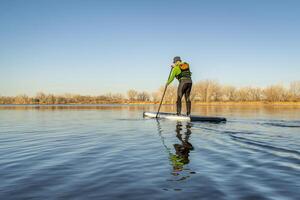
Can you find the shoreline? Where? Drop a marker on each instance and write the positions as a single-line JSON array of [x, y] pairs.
[[156, 103]]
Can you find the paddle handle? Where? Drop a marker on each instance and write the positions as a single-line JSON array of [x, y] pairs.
[[163, 94]]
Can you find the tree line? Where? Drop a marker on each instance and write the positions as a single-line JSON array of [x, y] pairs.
[[42, 98], [202, 91], [212, 91]]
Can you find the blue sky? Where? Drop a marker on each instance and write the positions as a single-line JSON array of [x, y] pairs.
[[94, 47]]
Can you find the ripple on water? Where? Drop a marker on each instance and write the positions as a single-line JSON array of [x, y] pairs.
[[108, 154]]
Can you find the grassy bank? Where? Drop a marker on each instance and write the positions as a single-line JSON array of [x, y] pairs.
[[217, 103]]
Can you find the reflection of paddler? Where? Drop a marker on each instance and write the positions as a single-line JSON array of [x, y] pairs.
[[181, 156]]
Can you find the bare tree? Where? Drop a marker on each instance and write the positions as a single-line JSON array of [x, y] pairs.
[[207, 90], [195, 92], [143, 96], [255, 94], [117, 97], [229, 93], [171, 94], [216, 92], [21, 99], [41, 98], [132, 94], [295, 90], [50, 99], [155, 96], [275, 93]]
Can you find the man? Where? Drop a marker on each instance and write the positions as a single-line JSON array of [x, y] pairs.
[[181, 71]]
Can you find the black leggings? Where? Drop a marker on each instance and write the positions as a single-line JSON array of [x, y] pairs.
[[184, 88]]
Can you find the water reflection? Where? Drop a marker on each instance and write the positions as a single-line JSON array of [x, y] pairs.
[[229, 111], [78, 107], [182, 148]]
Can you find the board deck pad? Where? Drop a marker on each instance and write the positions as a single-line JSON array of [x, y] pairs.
[[192, 118]]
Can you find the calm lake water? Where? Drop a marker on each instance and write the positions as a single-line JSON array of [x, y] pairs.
[[111, 152]]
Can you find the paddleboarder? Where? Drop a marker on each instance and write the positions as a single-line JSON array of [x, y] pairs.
[[181, 71]]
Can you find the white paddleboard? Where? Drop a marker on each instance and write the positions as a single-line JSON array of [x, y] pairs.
[[193, 118]]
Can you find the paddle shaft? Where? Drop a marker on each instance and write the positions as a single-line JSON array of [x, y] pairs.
[[162, 98]]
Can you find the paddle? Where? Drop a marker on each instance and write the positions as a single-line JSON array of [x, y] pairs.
[[163, 94]]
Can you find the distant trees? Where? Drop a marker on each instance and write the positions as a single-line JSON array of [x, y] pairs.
[[295, 91], [171, 94], [132, 95], [155, 96], [202, 91], [143, 96], [275, 93], [22, 99], [6, 100], [229, 93], [208, 90], [42, 98]]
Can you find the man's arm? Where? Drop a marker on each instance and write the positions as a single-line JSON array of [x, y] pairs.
[[175, 72]]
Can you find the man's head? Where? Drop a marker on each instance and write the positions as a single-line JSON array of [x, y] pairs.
[[176, 59]]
